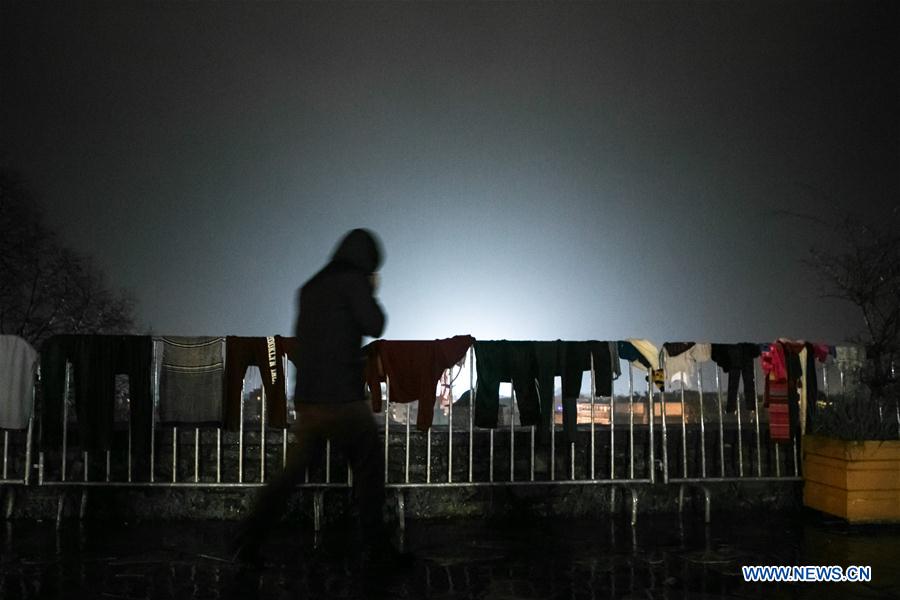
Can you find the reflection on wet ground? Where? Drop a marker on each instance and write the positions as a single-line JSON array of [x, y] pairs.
[[661, 558]]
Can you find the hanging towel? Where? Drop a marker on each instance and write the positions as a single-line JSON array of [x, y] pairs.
[[191, 380], [776, 392]]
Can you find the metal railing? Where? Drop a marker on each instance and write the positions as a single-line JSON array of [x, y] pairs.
[[16, 470], [629, 450]]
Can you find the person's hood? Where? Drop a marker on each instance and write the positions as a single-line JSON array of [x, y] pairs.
[[359, 249]]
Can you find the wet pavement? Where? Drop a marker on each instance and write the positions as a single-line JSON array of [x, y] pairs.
[[662, 557]]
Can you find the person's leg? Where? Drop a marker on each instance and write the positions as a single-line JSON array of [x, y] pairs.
[[356, 432], [270, 503]]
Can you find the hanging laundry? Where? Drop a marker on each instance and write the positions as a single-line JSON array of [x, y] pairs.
[[578, 360], [18, 363], [737, 361], [414, 368], [191, 381], [645, 356], [134, 358], [96, 360], [550, 361], [641, 353], [773, 361], [267, 354], [777, 400], [803, 380], [777, 403], [505, 361], [55, 353], [682, 360], [532, 368], [792, 381]]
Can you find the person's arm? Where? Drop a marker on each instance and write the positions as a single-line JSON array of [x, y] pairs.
[[365, 309]]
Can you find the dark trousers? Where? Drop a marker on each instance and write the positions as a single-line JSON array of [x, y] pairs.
[[266, 354], [134, 357], [523, 363], [577, 360], [502, 360], [96, 359], [351, 427], [55, 352], [737, 361]]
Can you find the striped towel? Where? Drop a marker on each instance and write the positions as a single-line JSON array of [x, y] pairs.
[[779, 412], [191, 380]]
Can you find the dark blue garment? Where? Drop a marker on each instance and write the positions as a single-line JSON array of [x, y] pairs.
[[737, 361], [532, 368], [505, 361], [628, 352]]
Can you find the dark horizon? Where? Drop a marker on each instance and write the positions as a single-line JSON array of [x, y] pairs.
[[535, 171]]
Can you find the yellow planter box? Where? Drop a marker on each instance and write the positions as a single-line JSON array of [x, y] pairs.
[[859, 481]]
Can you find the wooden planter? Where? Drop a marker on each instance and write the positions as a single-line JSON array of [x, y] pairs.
[[859, 481]]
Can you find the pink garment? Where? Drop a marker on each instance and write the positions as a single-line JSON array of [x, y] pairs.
[[773, 361], [821, 351]]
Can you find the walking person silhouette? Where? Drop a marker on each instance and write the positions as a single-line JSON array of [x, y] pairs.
[[337, 307]]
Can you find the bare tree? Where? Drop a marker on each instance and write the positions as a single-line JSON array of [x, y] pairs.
[[45, 287], [861, 265]]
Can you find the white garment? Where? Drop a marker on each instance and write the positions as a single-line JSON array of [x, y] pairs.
[[648, 351], [682, 368], [18, 362]]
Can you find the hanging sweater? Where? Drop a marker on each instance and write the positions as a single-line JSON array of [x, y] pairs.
[[413, 368], [18, 361]]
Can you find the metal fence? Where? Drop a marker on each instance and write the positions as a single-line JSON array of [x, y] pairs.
[[17, 453], [637, 437]]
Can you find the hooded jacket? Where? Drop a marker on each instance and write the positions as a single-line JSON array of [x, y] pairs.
[[336, 309]]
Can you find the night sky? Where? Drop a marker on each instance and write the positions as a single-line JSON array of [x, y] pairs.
[[535, 171]]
